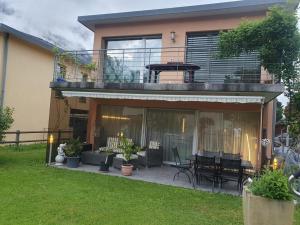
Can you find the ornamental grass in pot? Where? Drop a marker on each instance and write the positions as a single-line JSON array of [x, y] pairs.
[[72, 152], [268, 200]]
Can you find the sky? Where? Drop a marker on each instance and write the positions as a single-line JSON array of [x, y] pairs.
[[56, 20]]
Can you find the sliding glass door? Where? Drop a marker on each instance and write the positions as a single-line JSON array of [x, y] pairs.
[[126, 58], [114, 120], [229, 132], [172, 128]]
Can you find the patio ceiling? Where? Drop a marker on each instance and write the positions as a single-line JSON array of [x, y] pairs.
[[169, 97]]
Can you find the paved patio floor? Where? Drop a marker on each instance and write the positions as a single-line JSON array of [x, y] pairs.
[[159, 175]]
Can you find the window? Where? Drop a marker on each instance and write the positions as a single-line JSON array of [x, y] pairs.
[[84, 77], [126, 58], [61, 70], [203, 51]]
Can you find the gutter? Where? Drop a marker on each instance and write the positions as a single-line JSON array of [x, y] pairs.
[[4, 69]]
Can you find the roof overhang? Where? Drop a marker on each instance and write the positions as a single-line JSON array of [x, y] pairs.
[[169, 97], [27, 37], [216, 9]]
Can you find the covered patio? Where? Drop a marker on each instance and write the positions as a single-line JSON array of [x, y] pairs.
[[159, 175]]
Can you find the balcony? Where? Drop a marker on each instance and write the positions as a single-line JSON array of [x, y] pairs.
[[161, 69]]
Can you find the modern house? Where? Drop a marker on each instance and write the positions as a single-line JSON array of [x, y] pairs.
[[26, 68], [158, 78]]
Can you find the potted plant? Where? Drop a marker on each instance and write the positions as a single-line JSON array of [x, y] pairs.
[[268, 200], [128, 149], [72, 152]]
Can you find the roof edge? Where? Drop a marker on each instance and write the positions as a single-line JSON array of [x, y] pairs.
[[27, 37], [224, 8]]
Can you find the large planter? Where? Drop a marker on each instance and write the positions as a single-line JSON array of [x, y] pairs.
[[127, 170], [263, 211], [73, 162]]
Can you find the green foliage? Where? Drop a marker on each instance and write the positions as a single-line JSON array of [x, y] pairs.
[[276, 38], [127, 147], [273, 185], [6, 120], [293, 111], [90, 66], [73, 148], [279, 111]]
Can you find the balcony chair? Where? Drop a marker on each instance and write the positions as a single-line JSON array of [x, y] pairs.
[[152, 156], [184, 168], [205, 167]]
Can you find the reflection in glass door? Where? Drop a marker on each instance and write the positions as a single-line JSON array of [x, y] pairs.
[[172, 128], [126, 59]]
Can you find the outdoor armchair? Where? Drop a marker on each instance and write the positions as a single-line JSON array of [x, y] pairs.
[[152, 156]]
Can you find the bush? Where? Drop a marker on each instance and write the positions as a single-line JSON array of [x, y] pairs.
[[273, 185], [73, 148], [6, 120]]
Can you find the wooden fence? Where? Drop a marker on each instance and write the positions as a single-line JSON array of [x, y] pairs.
[[59, 134]]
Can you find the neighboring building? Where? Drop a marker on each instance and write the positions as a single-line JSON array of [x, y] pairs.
[[26, 68], [188, 98]]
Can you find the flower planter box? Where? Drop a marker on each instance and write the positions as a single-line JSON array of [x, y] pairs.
[[264, 211]]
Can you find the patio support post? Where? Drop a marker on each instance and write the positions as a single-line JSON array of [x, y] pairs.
[[143, 134], [195, 136], [260, 136]]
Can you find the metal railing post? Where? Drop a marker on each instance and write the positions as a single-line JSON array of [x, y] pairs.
[[123, 58]]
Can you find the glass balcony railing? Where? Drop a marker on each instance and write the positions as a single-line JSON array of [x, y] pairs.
[[174, 65]]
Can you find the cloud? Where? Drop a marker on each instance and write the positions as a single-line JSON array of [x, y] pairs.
[[56, 20], [5, 9]]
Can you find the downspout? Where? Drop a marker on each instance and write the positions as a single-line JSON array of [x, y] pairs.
[[4, 66], [260, 135], [274, 124]]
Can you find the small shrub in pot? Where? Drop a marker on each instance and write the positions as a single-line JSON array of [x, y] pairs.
[[268, 200], [73, 151]]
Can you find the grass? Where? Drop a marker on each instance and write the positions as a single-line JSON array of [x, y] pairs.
[[32, 193]]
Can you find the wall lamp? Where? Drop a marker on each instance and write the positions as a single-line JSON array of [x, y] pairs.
[[173, 36]]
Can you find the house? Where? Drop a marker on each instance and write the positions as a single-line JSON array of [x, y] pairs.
[[157, 78], [26, 68]]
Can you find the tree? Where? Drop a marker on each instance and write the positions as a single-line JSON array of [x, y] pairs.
[[276, 38], [279, 111], [6, 120]]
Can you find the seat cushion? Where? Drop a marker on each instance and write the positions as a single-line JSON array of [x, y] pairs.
[[121, 156], [142, 153]]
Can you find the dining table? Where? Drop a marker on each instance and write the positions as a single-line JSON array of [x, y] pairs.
[[245, 164]]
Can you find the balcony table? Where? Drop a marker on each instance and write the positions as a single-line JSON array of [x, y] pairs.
[[172, 66]]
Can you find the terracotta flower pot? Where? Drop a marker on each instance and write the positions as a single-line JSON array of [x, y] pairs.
[[127, 170], [264, 211]]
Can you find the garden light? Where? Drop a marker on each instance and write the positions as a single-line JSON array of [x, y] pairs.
[[51, 139], [275, 164]]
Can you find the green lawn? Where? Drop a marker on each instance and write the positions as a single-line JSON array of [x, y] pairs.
[[31, 193]]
